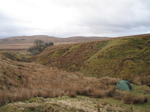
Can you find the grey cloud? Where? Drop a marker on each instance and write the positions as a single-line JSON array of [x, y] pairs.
[[9, 27], [95, 17], [130, 17]]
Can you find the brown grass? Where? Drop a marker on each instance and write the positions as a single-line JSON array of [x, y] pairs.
[[130, 98], [15, 46], [111, 57], [20, 81], [144, 80]]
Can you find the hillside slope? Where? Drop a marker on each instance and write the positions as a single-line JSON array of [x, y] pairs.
[[126, 57], [22, 80]]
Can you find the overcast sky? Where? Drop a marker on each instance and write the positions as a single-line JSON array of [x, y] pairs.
[[65, 18]]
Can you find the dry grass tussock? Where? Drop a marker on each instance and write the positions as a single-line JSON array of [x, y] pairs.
[[130, 98], [20, 81]]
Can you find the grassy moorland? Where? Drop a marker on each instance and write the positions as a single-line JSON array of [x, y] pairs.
[[27, 86], [126, 58], [40, 88]]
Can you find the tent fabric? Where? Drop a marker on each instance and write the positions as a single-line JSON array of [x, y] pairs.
[[123, 85]]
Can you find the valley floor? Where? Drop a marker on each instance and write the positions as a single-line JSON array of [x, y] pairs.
[[68, 104]]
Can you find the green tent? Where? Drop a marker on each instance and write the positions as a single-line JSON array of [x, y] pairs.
[[123, 85]]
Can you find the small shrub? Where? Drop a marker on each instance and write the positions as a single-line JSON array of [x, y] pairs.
[[34, 50], [39, 46]]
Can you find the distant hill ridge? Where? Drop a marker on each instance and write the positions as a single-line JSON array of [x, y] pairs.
[[45, 38]]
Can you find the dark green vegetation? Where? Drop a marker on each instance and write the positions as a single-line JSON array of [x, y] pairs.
[[17, 56], [126, 58], [39, 47]]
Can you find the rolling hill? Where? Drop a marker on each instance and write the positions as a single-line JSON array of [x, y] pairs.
[[22, 80], [124, 57], [45, 38]]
